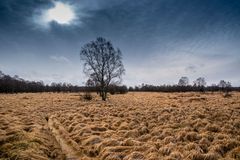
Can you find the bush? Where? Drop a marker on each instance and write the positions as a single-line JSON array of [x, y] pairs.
[[114, 89], [87, 96], [123, 89]]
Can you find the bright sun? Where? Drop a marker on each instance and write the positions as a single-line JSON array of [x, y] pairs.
[[61, 13]]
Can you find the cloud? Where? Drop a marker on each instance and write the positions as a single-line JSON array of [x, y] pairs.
[[64, 14], [60, 59], [59, 77], [168, 68], [191, 69]]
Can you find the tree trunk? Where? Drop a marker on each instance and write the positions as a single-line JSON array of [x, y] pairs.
[[104, 95]]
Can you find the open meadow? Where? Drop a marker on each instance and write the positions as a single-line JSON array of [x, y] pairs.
[[133, 126]]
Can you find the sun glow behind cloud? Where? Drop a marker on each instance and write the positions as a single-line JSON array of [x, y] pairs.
[[61, 13]]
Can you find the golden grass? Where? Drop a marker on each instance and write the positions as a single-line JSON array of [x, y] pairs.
[[133, 126]]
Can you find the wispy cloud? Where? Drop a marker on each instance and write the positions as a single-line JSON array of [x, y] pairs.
[[191, 69], [60, 59]]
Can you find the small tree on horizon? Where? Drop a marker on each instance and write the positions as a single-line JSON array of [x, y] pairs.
[[102, 63], [183, 81], [200, 83], [225, 86]]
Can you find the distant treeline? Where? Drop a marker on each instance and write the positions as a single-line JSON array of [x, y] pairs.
[[177, 88], [15, 84], [199, 85]]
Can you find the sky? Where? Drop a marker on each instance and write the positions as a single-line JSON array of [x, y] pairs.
[[161, 40]]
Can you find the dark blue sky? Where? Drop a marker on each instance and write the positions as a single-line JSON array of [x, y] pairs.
[[161, 40]]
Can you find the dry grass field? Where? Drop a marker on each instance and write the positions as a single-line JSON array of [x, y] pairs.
[[134, 126]]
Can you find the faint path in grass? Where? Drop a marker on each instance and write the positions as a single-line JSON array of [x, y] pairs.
[[68, 146]]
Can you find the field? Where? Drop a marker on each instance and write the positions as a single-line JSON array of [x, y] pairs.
[[133, 126]]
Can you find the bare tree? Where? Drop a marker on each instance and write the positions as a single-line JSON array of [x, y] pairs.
[[102, 63], [222, 84], [200, 83], [225, 86], [1, 74], [183, 81]]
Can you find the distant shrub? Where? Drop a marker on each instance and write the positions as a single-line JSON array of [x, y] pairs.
[[87, 96], [114, 89], [123, 89]]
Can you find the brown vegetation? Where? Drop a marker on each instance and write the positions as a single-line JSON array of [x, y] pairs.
[[133, 126]]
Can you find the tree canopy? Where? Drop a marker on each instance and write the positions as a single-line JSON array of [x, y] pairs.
[[102, 63]]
